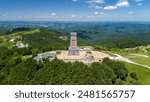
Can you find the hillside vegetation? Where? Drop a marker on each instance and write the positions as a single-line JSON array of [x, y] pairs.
[[108, 32], [46, 40], [18, 67], [19, 71], [143, 74]]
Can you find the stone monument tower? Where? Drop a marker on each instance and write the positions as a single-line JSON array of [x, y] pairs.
[[73, 49]]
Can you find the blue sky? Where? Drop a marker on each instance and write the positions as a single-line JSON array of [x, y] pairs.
[[75, 10]]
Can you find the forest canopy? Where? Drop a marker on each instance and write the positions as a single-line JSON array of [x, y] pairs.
[[19, 72]]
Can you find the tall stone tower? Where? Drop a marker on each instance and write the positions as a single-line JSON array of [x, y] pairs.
[[73, 49]]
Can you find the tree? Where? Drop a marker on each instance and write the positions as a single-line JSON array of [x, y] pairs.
[[119, 68], [134, 75], [22, 73], [119, 82]]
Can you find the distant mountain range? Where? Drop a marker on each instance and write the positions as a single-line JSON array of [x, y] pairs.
[[90, 32]]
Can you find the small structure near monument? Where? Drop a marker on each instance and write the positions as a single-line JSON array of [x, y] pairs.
[[21, 45], [41, 56], [88, 57]]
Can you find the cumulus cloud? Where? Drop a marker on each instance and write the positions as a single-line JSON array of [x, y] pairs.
[[96, 13], [138, 2], [53, 14], [120, 3], [73, 16], [95, 6], [101, 13], [95, 3], [123, 3], [131, 12], [110, 7]]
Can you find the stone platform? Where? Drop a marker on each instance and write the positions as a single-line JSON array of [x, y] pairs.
[[95, 56]]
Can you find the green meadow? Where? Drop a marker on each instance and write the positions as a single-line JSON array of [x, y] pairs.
[[143, 73], [141, 60]]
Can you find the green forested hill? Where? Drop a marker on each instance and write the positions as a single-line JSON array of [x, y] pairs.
[[18, 67], [46, 39], [35, 38], [15, 69], [102, 35], [19, 72]]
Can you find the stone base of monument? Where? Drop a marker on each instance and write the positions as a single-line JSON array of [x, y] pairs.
[[95, 56], [73, 52]]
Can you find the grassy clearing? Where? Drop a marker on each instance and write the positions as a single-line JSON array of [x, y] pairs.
[[7, 44], [5, 40], [143, 73], [19, 33], [26, 57], [26, 32], [140, 60]]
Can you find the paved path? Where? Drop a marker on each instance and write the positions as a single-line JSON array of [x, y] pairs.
[[140, 55], [121, 58]]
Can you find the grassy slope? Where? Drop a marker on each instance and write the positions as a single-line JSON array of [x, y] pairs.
[[20, 33], [6, 38], [141, 60], [143, 73]]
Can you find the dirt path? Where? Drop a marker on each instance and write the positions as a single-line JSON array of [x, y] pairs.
[[139, 55], [121, 58]]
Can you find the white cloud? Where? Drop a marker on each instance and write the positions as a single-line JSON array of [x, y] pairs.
[[53, 14], [123, 3], [96, 13], [138, 1], [95, 6], [3, 15], [95, 1], [101, 13], [131, 12], [139, 4], [110, 7], [73, 16]]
